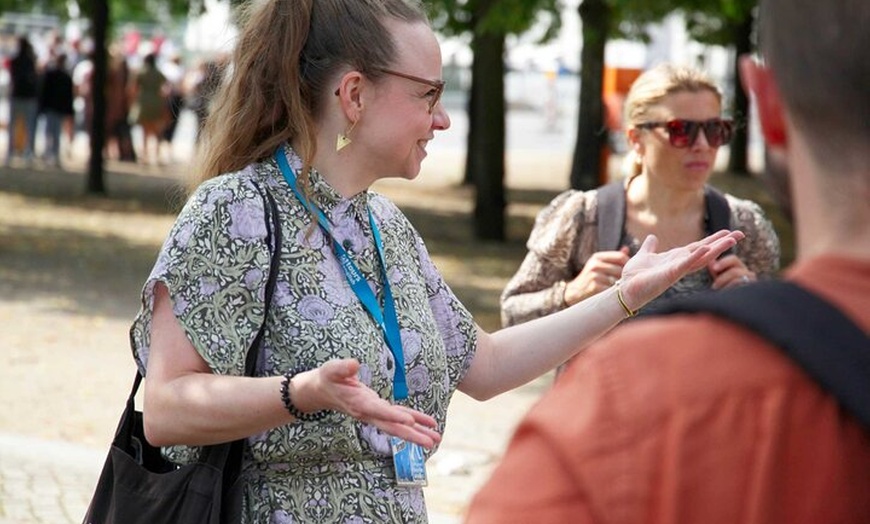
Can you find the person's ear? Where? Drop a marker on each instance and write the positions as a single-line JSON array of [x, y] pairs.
[[349, 94], [756, 79], [632, 135]]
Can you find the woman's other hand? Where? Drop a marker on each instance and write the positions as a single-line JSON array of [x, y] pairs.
[[335, 385], [730, 271], [600, 272]]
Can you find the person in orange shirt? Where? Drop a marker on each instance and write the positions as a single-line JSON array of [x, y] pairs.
[[690, 418]]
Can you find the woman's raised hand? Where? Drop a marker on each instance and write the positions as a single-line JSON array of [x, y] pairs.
[[648, 274], [335, 385]]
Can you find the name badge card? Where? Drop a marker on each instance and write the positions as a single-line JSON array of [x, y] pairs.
[[410, 463]]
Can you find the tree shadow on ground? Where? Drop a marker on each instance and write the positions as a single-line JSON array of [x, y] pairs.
[[125, 191], [101, 272], [73, 271], [97, 271]]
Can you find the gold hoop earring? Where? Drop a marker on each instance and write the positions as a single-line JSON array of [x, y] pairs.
[[343, 139]]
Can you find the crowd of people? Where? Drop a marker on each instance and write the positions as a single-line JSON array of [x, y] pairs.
[[147, 87]]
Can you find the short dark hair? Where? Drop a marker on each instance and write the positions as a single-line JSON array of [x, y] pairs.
[[818, 52]]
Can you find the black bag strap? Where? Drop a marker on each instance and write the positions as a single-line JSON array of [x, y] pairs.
[[274, 239], [831, 348], [611, 214], [217, 454], [718, 210]]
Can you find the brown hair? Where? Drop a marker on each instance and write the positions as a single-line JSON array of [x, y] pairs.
[[287, 54], [651, 87], [817, 52]]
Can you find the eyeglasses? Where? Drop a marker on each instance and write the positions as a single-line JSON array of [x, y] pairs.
[[437, 85], [684, 133]]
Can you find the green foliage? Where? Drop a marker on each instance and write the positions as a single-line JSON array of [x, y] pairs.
[[505, 17], [122, 10], [716, 22]]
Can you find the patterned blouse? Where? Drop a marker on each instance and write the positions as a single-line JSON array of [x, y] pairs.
[[565, 235], [215, 265]]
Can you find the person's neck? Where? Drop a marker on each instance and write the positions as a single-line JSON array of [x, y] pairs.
[[831, 209], [340, 171], [663, 202], [825, 228]]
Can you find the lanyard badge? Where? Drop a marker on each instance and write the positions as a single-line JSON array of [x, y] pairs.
[[408, 458]]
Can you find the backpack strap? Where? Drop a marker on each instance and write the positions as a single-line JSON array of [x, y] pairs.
[[718, 210], [611, 214], [829, 347], [718, 213]]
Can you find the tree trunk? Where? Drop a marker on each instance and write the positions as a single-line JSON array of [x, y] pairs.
[[472, 138], [591, 135], [100, 21], [487, 119], [737, 161]]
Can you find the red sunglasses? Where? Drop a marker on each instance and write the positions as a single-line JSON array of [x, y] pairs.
[[684, 133]]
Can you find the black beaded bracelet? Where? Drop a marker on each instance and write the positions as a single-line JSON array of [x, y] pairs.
[[288, 404]]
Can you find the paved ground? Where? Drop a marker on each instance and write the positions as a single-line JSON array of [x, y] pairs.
[[70, 267]]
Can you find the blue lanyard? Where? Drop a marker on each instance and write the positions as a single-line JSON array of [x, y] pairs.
[[386, 320]]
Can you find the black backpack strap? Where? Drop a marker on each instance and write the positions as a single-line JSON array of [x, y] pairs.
[[718, 210], [611, 215], [829, 347], [718, 213]]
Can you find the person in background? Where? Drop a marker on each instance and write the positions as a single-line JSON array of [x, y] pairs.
[[365, 343], [23, 108], [203, 82], [691, 418], [56, 96], [173, 70], [149, 89], [675, 128]]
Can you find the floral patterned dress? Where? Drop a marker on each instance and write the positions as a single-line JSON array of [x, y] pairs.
[[215, 263]]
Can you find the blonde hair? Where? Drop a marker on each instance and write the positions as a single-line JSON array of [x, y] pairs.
[[277, 82], [651, 88]]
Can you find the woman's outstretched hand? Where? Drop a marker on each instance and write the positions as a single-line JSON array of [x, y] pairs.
[[335, 385], [648, 274]]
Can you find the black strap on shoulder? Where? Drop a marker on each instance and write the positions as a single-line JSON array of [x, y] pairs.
[[718, 210], [611, 214], [273, 238], [718, 213], [831, 348]]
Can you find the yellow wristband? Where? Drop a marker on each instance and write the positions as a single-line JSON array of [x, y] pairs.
[[628, 312]]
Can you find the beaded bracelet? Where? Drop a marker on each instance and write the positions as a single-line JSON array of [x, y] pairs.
[[288, 404], [628, 312]]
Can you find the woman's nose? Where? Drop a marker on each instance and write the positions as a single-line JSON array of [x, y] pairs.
[[440, 118]]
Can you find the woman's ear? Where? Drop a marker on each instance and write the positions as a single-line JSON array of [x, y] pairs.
[[757, 80], [349, 94], [632, 134]]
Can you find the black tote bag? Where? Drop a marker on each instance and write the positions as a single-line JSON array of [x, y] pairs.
[[137, 485]]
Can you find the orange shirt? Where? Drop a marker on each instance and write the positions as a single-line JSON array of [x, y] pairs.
[[690, 419]]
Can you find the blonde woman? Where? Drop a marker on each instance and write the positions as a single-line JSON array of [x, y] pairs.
[[582, 240]]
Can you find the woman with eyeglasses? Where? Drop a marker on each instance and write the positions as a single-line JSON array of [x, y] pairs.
[[582, 240], [365, 343]]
